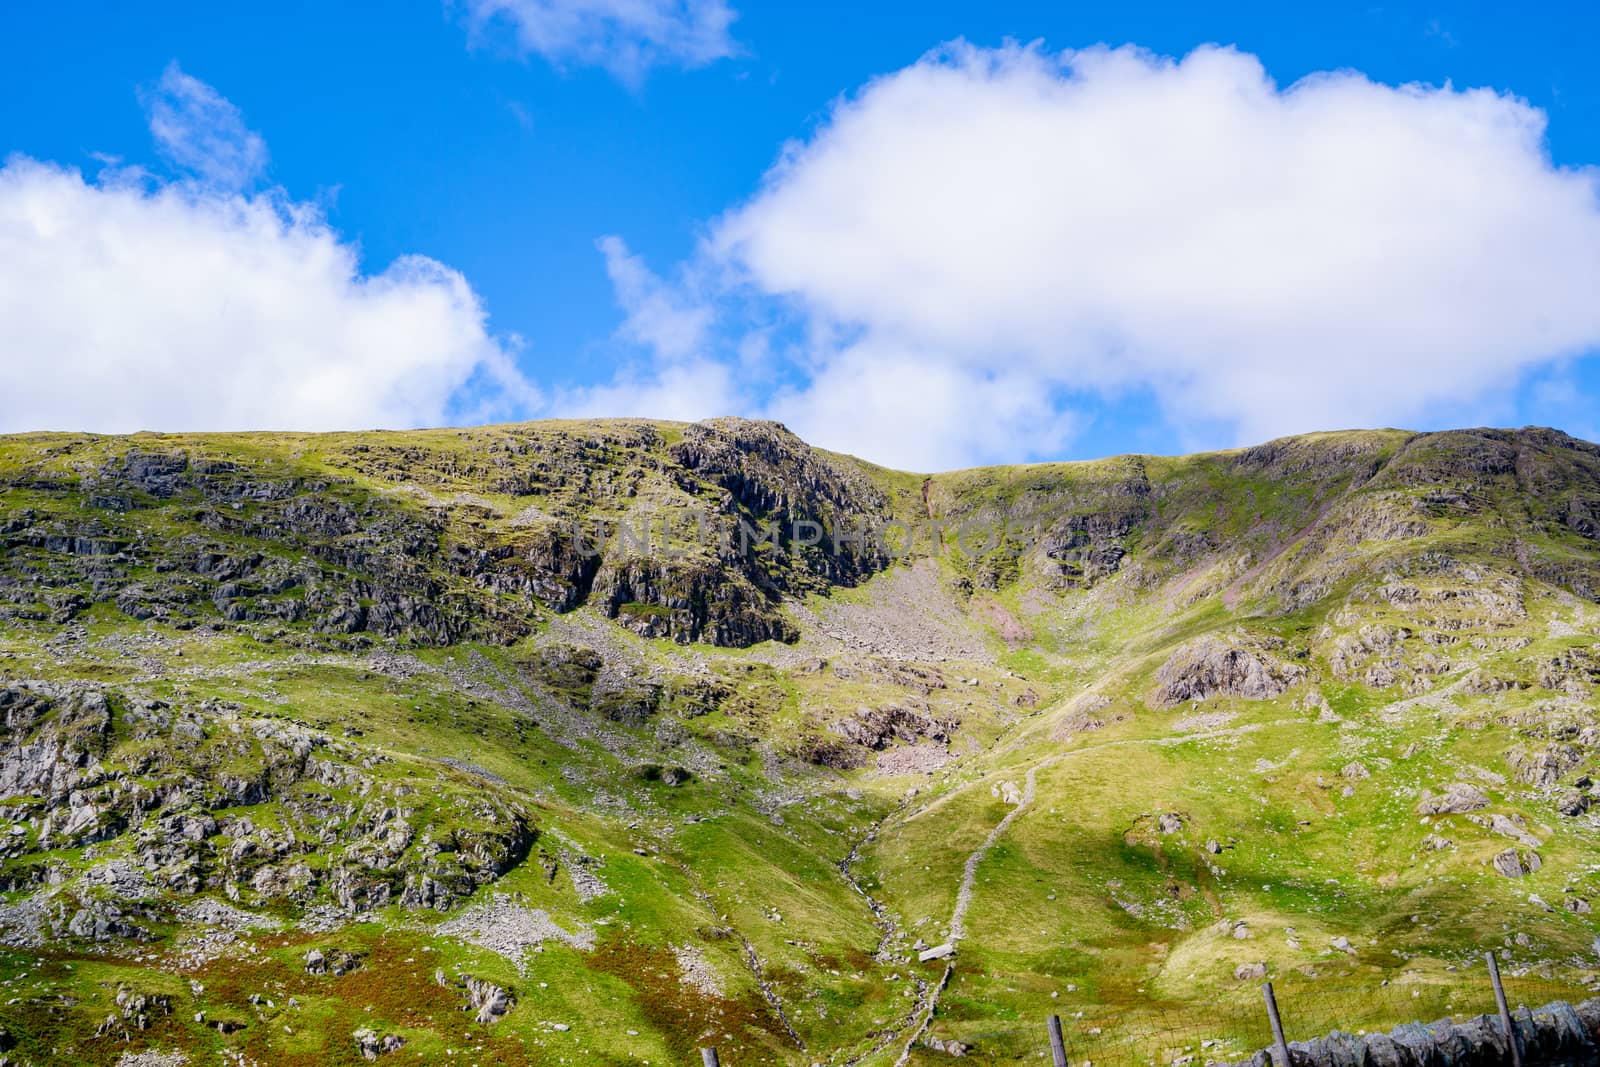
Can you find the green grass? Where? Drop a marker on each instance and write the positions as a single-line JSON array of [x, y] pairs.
[[1082, 907]]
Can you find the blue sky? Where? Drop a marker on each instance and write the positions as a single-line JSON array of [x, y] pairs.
[[590, 184]]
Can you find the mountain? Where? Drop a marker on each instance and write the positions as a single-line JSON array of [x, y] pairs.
[[596, 742]]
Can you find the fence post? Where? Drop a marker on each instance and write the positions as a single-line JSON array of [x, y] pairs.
[[1058, 1050], [1278, 1042], [708, 1057], [1505, 1011]]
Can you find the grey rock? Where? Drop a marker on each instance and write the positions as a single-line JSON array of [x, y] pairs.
[[489, 1001], [1572, 802], [1214, 666], [1513, 864], [948, 1046], [1458, 799]]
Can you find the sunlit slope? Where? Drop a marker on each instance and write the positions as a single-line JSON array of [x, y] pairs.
[[1322, 709]]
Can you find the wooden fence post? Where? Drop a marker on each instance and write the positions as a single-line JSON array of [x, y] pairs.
[[1278, 1043], [1506, 1024], [1058, 1050], [708, 1057]]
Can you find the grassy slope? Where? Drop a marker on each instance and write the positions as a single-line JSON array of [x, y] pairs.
[[1081, 898]]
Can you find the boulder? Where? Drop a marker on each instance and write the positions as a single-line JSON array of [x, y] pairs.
[[948, 1046], [489, 1001], [371, 1046], [1458, 799], [1572, 803], [1514, 864]]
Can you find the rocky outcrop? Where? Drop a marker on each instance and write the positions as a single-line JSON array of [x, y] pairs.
[[1544, 765], [689, 600], [347, 560], [1231, 666], [82, 765], [774, 480], [878, 728]]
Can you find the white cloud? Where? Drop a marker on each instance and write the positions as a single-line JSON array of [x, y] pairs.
[[679, 376], [199, 130], [659, 316], [900, 409], [626, 37], [688, 390], [1333, 253], [128, 305]]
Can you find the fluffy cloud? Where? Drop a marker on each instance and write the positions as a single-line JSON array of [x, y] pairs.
[[659, 316], [128, 304], [200, 131], [671, 328], [626, 37], [902, 409], [1011, 222], [687, 390]]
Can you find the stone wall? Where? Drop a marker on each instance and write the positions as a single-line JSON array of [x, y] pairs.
[[1556, 1035]]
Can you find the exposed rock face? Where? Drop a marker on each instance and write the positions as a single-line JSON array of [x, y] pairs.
[[1090, 540], [689, 600], [1213, 666], [1573, 802], [773, 476], [330, 554]]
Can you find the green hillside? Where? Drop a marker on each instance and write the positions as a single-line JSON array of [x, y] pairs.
[[326, 748]]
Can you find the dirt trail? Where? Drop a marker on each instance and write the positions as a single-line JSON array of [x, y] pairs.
[[921, 1015]]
